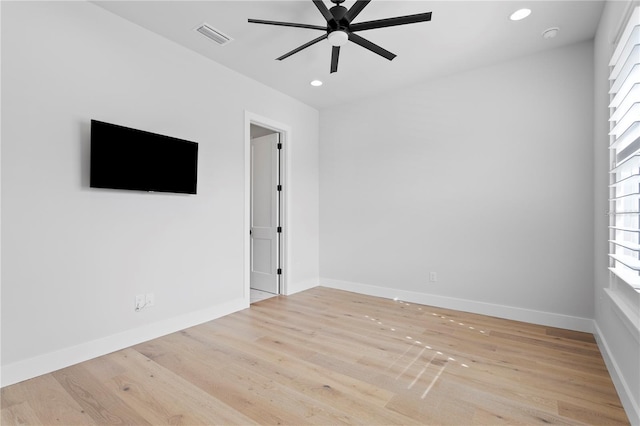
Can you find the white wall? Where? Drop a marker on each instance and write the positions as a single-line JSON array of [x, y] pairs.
[[74, 257], [617, 313], [483, 177]]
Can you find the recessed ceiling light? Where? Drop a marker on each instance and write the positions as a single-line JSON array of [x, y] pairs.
[[316, 83], [550, 32], [520, 14]]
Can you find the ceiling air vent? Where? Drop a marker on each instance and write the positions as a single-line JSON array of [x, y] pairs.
[[213, 34]]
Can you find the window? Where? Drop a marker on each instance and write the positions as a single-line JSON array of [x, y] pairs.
[[624, 247]]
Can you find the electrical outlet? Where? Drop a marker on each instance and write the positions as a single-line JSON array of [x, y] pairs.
[[150, 300], [140, 302], [433, 277]]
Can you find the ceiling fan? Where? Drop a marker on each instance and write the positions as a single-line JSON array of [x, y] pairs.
[[340, 29]]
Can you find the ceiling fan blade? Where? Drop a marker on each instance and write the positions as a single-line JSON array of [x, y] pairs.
[[356, 9], [390, 22], [288, 24], [371, 46], [304, 46], [335, 52], [326, 13]]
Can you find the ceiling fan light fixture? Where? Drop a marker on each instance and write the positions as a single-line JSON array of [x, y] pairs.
[[338, 38], [520, 14]]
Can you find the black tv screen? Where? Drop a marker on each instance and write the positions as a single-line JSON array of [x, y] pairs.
[[125, 158]]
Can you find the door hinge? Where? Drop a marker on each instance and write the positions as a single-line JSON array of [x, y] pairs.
[[279, 146], [279, 229], [279, 187], [279, 271]]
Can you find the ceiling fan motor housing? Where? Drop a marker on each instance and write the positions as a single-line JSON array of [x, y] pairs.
[[339, 13]]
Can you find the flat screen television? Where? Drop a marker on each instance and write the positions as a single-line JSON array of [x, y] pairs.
[[125, 158]]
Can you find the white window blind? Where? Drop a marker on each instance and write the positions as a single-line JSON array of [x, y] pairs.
[[624, 247]]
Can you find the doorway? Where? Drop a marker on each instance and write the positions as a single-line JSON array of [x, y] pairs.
[[265, 217]]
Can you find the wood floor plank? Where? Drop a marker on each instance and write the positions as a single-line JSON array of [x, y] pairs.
[[571, 335], [96, 400], [163, 397], [596, 415], [232, 379], [322, 386], [471, 401], [19, 414], [342, 392], [48, 400], [227, 381], [327, 356]]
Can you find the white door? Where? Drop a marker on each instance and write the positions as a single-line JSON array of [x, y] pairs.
[[264, 213]]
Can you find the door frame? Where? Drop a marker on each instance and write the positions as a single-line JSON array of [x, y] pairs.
[[285, 166]]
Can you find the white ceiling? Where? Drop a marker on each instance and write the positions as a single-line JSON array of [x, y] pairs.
[[462, 35]]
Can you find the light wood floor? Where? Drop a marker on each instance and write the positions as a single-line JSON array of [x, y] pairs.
[[331, 357]]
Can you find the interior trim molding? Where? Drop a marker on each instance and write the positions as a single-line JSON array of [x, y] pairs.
[[299, 286], [631, 407], [627, 316], [52, 361], [549, 319], [286, 139]]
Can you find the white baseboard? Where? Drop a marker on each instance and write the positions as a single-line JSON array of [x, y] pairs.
[[299, 286], [501, 311], [631, 406], [46, 363]]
